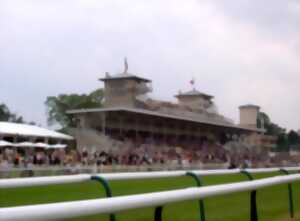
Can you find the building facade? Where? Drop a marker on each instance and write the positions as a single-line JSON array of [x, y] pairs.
[[128, 109]]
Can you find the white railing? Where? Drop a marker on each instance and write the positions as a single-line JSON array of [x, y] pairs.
[[40, 181], [75, 209]]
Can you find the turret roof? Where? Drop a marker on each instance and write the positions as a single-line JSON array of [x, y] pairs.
[[194, 92], [123, 76]]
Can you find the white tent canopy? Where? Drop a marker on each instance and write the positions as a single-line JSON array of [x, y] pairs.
[[4, 143], [58, 146], [42, 145], [8, 128], [24, 144]]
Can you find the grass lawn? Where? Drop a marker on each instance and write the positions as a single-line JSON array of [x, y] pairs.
[[272, 202]]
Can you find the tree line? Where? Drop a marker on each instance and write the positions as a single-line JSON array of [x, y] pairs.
[[286, 140], [7, 115]]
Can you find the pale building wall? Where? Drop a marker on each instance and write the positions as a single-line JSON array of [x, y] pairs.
[[82, 121], [248, 116], [123, 92], [120, 93]]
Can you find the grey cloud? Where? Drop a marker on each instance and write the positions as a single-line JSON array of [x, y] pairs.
[[51, 47], [276, 16]]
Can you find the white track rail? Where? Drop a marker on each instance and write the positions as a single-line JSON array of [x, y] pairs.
[[50, 180], [75, 209]]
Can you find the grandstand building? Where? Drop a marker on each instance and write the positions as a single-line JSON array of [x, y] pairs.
[[129, 110]]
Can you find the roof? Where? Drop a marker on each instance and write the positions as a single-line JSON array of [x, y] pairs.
[[194, 92], [9, 128], [249, 106], [155, 113], [4, 143], [124, 75]]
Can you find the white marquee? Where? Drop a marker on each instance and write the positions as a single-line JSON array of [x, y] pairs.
[[7, 128]]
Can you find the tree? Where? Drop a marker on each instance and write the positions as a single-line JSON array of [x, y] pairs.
[[274, 130], [293, 138], [282, 142], [57, 106], [4, 113], [271, 128], [263, 118], [7, 115]]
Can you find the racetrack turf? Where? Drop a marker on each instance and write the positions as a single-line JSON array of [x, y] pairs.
[[272, 202]]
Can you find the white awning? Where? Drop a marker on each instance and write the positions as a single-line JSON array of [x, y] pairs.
[[42, 145], [4, 143], [58, 146], [8, 128], [24, 144]]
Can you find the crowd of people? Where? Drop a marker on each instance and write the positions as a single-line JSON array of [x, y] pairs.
[[129, 151]]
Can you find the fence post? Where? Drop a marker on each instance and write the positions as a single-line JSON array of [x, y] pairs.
[[253, 204], [107, 189], [201, 202], [290, 189], [159, 209], [158, 213]]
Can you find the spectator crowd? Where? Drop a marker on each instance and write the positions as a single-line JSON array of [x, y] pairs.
[[133, 151]]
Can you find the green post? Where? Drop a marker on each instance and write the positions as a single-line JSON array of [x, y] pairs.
[[158, 213], [159, 209], [253, 204], [201, 202], [290, 189], [107, 189]]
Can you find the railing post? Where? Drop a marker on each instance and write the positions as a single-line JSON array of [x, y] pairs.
[[201, 202], [107, 189], [253, 204], [158, 213], [290, 189]]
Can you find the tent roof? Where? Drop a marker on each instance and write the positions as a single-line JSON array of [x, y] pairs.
[[24, 144], [4, 143], [30, 130]]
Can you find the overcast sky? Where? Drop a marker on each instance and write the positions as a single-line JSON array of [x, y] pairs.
[[243, 51]]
